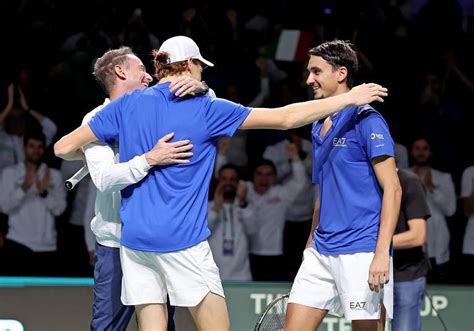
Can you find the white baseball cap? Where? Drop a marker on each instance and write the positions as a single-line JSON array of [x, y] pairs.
[[181, 48]]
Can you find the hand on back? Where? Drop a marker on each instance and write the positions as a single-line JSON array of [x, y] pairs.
[[166, 153]]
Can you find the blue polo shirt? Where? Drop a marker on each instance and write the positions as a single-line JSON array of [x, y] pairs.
[[351, 198], [167, 210]]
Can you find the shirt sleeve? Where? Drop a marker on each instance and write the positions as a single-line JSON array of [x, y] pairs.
[[49, 130], [374, 135], [55, 201], [401, 156], [444, 194], [106, 123], [224, 117], [467, 182], [415, 203], [248, 218], [213, 218], [292, 188], [11, 194], [109, 176]]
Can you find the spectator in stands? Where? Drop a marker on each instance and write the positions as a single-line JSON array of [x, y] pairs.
[[230, 221], [467, 195], [273, 201], [299, 214], [13, 124], [32, 196], [441, 200], [410, 263]]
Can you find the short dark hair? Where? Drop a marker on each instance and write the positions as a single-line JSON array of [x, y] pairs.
[[229, 166], [34, 135], [104, 66], [339, 53], [265, 162]]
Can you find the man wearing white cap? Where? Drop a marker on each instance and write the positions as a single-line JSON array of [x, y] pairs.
[[182, 48], [164, 216]]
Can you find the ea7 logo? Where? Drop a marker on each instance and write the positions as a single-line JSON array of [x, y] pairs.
[[357, 305], [339, 142]]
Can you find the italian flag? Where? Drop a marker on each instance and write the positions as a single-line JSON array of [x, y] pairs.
[[293, 45]]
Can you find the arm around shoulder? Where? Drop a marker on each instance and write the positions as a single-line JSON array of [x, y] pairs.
[[303, 113], [67, 147]]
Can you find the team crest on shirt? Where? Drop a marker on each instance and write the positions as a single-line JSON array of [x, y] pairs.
[[339, 142]]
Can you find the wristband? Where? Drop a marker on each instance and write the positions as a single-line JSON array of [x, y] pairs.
[[203, 92]]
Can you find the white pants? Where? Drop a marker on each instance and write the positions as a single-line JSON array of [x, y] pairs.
[[339, 284]]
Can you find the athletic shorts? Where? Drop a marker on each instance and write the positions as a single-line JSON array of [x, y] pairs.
[[186, 276], [339, 284]]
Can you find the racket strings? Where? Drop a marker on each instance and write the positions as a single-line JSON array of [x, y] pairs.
[[273, 318]]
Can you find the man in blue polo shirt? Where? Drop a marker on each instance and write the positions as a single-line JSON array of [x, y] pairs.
[[164, 216], [357, 209]]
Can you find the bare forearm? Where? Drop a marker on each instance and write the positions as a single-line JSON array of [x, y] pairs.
[[389, 217], [406, 240], [299, 114], [75, 155], [307, 112], [414, 237], [68, 145], [296, 114]]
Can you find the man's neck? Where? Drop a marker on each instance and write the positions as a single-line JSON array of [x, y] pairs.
[[170, 78], [261, 191], [117, 92], [340, 90], [421, 168]]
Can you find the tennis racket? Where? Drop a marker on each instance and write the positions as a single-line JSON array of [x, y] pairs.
[[273, 318], [76, 178]]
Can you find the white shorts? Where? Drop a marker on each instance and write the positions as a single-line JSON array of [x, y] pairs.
[[186, 276], [339, 284]]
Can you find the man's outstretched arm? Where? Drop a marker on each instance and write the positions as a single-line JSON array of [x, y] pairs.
[[68, 147], [303, 113]]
